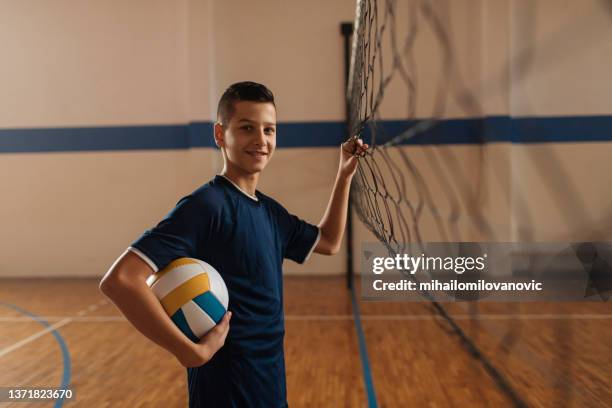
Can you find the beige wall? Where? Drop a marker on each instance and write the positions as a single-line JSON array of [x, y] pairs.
[[105, 62], [70, 214], [121, 63], [71, 63], [567, 70], [294, 47]]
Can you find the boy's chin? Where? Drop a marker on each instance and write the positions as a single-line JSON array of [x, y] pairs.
[[254, 169]]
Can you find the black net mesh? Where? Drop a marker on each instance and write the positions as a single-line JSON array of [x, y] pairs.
[[390, 194], [428, 192]]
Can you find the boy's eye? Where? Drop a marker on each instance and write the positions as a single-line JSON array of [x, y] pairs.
[[270, 130], [247, 127]]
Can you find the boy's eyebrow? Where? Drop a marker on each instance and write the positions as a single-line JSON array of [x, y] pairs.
[[252, 121]]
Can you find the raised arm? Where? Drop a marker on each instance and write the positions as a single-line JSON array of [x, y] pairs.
[[334, 220]]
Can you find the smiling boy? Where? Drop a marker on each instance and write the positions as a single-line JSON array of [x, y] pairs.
[[245, 235]]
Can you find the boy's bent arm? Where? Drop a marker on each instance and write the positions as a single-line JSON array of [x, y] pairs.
[[334, 220], [125, 285]]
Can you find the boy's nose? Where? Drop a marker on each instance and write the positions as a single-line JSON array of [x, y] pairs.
[[261, 137]]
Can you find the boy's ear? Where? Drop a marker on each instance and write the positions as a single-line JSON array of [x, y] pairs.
[[219, 136]]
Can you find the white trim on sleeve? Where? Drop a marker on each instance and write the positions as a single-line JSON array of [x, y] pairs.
[[313, 245], [144, 258]]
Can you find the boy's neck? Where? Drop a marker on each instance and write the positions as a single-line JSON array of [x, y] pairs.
[[246, 181]]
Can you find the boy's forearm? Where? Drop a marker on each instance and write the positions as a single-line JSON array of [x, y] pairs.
[[140, 306], [334, 220]]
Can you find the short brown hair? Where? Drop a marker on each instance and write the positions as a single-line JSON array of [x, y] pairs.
[[241, 91]]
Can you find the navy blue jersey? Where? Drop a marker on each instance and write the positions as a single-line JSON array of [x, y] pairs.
[[246, 239]]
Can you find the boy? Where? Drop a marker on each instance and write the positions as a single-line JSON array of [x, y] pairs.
[[245, 235]]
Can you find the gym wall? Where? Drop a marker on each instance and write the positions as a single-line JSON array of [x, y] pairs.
[[107, 109]]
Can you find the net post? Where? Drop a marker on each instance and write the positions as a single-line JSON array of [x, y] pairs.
[[346, 29]]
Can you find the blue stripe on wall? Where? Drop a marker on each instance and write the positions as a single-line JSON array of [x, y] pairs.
[[310, 134], [94, 138]]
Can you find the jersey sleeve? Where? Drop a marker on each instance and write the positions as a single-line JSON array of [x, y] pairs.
[[299, 237], [178, 235]]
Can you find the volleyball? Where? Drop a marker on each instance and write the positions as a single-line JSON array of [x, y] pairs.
[[192, 293]]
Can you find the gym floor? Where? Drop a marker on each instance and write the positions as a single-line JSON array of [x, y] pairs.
[[550, 354]]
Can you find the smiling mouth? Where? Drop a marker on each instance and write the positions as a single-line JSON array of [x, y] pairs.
[[257, 154]]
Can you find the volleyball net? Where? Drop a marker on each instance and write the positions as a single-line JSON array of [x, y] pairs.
[[418, 95]]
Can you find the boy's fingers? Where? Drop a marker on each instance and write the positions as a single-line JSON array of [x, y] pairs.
[[224, 323], [216, 337], [349, 146], [361, 152], [224, 335], [224, 330], [222, 327], [355, 147]]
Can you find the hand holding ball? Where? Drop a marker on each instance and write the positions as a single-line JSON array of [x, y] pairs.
[[193, 295]]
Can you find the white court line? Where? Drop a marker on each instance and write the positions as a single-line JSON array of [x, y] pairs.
[[63, 322], [73, 319], [458, 317], [93, 319], [318, 317], [541, 316], [34, 336]]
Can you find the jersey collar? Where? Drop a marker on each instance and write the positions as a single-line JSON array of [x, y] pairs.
[[254, 198]]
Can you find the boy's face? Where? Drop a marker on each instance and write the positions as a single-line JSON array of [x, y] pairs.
[[249, 138]]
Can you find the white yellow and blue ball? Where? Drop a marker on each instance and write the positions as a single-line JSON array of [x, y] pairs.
[[192, 293]]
